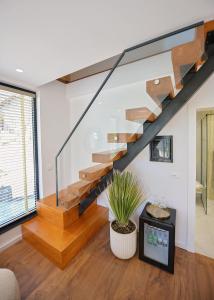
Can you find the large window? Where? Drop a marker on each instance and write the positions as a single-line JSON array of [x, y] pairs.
[[18, 154]]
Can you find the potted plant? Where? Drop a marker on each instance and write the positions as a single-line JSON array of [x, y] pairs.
[[124, 196]]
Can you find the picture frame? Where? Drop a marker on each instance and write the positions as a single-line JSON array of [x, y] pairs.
[[161, 149]]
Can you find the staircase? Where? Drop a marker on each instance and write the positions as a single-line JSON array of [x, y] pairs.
[[126, 125]]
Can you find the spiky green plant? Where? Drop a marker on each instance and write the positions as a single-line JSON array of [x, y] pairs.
[[124, 196]]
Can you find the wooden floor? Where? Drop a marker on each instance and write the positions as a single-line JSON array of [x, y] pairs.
[[96, 274]]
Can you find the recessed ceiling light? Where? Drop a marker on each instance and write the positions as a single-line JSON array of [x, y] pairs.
[[19, 70]]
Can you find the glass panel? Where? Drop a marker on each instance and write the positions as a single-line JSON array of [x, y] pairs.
[[156, 244], [144, 78]]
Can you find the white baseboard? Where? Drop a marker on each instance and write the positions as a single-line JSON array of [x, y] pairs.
[[10, 243], [180, 245], [10, 237]]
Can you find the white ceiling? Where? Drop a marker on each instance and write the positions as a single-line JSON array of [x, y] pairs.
[[51, 38]]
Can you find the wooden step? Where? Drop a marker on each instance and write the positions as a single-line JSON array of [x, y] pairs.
[[158, 89], [69, 200], [188, 54], [108, 156], [208, 26], [81, 187], [140, 114], [123, 137], [59, 216], [59, 245], [95, 172]]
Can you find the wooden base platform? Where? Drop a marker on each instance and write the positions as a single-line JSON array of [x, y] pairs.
[[56, 215], [61, 245]]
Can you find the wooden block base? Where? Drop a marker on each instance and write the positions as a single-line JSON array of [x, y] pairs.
[[58, 216], [59, 245]]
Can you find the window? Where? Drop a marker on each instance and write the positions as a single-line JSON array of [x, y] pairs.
[[18, 154]]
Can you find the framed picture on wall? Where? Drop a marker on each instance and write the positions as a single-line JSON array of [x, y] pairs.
[[161, 149]]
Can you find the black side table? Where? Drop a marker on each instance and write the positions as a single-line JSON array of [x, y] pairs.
[[157, 240]]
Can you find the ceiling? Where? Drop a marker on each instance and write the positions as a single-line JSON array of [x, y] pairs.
[[49, 39]]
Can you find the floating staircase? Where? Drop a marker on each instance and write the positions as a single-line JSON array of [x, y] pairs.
[[67, 220]]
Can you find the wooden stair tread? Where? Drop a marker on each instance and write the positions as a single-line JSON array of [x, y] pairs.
[[81, 187], [208, 26], [160, 88], [50, 201], [95, 172], [139, 114], [108, 156], [123, 137], [61, 245], [69, 200], [190, 52]]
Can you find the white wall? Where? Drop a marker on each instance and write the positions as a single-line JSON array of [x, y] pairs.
[[168, 181], [54, 128]]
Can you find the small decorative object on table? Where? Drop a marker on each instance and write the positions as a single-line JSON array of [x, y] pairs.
[[157, 238], [157, 212]]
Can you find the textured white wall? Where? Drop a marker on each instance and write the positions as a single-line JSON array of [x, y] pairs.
[[54, 128]]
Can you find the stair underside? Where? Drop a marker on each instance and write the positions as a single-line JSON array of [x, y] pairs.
[[59, 245]]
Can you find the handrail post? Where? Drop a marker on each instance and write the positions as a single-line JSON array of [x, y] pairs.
[[57, 187]]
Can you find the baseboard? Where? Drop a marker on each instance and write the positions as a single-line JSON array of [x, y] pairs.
[[180, 245], [9, 238]]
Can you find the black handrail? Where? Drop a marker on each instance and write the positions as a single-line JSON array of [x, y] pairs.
[[106, 79]]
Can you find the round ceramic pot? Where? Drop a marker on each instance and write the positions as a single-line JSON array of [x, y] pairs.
[[123, 246]]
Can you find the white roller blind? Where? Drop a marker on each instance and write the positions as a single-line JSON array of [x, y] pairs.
[[18, 184]]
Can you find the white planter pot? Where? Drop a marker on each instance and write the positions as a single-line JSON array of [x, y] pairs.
[[123, 246]]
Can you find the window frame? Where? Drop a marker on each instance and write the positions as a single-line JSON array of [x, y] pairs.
[[36, 158]]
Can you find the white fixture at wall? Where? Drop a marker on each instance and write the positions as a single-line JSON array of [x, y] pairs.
[[19, 70]]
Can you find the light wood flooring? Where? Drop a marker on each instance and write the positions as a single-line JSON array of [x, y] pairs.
[[96, 274]]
